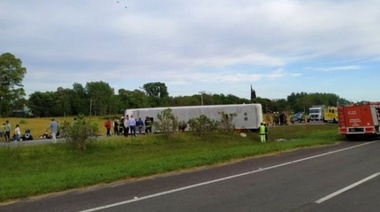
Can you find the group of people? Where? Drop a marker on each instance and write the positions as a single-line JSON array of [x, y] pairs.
[[128, 125], [279, 118], [5, 133]]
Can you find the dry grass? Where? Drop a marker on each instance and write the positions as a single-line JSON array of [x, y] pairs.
[[39, 125]]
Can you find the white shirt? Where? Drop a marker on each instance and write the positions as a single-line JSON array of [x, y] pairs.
[[132, 121], [126, 122], [17, 131]]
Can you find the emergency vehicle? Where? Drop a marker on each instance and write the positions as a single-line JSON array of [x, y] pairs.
[[316, 112], [330, 114], [359, 119]]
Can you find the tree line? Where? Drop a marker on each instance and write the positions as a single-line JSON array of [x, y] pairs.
[[99, 98]]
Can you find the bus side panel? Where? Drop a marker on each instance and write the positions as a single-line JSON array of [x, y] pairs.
[[249, 116]]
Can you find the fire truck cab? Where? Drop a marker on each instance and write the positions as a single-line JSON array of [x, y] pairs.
[[359, 119]]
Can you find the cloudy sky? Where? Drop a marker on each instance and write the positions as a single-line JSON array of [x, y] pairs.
[[219, 47]]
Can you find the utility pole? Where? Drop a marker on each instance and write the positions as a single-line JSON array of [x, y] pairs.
[[90, 107], [202, 92]]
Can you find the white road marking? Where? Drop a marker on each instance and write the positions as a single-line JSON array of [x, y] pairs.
[[346, 188], [219, 180]]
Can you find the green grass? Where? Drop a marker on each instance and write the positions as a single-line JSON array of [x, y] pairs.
[[34, 170]]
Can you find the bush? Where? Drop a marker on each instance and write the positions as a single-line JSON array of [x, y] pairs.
[[80, 132], [167, 123], [22, 121], [227, 121], [199, 126]]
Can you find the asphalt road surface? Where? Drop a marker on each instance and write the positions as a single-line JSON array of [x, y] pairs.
[[344, 177]]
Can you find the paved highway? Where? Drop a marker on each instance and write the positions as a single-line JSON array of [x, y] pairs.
[[344, 177]]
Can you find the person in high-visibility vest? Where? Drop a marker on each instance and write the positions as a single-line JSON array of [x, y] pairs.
[[263, 132]]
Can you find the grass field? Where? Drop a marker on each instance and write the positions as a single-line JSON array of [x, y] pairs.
[[39, 125], [34, 170]]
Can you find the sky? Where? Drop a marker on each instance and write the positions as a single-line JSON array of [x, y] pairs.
[[216, 47]]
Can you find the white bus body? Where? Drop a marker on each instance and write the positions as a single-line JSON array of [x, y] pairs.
[[248, 116]]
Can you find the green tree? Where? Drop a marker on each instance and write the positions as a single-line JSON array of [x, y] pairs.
[[266, 104], [63, 102], [80, 103], [17, 100], [282, 105], [218, 99], [157, 93], [11, 89], [302, 101], [36, 99], [117, 106], [134, 99], [296, 102], [185, 100], [43, 104], [100, 94]]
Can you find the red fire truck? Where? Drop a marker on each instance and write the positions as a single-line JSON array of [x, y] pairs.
[[359, 119]]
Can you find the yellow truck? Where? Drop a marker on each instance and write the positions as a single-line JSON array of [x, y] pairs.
[[330, 114]]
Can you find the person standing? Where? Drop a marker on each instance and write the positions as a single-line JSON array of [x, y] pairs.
[[107, 125], [116, 126], [121, 125], [7, 134], [54, 129], [17, 133], [140, 125], [291, 118], [126, 126], [132, 125], [263, 132], [148, 125], [2, 132]]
